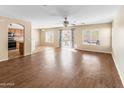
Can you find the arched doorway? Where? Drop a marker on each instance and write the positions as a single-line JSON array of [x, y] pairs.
[[15, 40]]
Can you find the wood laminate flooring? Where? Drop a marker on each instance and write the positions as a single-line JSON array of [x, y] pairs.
[[60, 68], [14, 54], [41, 48]]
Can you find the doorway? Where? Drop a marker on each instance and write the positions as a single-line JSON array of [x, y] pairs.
[[15, 41], [66, 38]]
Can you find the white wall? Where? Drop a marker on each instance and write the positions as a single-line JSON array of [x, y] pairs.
[[118, 42], [36, 38], [104, 37]]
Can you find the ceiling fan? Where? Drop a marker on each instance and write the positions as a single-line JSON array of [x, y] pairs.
[[64, 13], [66, 23]]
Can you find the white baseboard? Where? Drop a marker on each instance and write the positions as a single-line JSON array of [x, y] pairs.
[[27, 54], [2, 60], [93, 50], [117, 69]]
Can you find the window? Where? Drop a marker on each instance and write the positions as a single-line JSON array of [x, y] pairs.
[[49, 38], [91, 38]]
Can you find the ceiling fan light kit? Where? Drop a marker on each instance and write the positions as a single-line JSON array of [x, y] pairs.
[[66, 23]]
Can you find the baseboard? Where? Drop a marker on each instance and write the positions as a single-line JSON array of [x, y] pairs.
[[2, 60], [27, 54], [114, 59], [93, 50]]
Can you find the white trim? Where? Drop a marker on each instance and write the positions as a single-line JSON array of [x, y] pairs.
[[2, 60], [114, 59], [28, 54], [94, 50]]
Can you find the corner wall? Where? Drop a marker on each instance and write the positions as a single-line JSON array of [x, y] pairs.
[[4, 22], [118, 42], [35, 38], [104, 37]]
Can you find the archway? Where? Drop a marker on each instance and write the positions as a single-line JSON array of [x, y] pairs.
[[15, 40]]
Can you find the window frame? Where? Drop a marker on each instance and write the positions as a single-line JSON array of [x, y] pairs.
[[87, 37]]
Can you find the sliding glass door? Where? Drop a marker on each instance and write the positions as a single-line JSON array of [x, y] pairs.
[[66, 38]]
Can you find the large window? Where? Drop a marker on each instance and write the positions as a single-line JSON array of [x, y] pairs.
[[91, 38], [49, 37]]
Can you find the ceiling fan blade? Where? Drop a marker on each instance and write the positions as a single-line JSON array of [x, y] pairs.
[[73, 24]]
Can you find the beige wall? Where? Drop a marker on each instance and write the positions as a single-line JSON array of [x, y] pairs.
[[56, 37], [36, 38], [4, 22], [105, 37], [118, 42]]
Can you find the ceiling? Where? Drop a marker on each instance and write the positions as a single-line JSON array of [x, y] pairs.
[[43, 16]]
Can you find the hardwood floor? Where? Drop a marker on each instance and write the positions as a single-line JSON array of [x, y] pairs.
[[14, 54], [41, 48], [66, 68]]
